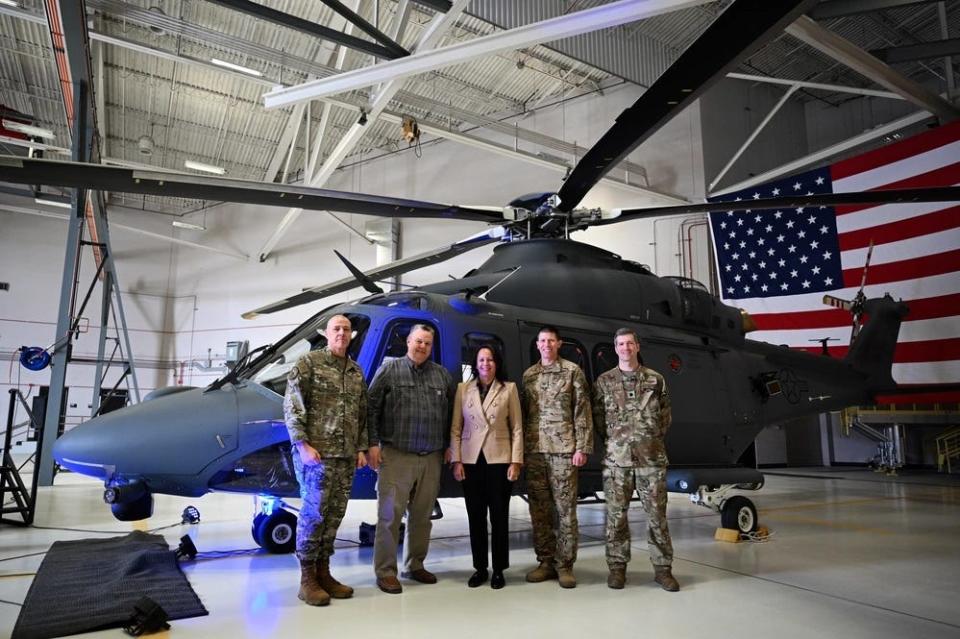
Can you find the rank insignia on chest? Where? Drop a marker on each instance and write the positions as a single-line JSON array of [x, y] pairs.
[[631, 394], [439, 392]]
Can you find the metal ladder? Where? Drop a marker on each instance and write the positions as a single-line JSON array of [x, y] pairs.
[[23, 499], [948, 448]]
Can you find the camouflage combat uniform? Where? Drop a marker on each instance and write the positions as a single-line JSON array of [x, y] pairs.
[[556, 424], [633, 409], [326, 406]]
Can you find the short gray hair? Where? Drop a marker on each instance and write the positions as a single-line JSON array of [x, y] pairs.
[[626, 331], [423, 327]]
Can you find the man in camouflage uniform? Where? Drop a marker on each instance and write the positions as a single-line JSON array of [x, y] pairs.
[[631, 405], [325, 410], [558, 436]]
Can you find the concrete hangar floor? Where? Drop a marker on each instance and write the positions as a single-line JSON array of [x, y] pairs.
[[852, 554]]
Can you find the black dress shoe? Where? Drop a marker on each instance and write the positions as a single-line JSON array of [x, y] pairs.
[[497, 581], [477, 579]]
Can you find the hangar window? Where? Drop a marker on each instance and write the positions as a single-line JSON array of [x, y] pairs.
[[473, 341]]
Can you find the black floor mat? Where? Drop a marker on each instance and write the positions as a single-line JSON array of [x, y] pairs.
[[89, 584]]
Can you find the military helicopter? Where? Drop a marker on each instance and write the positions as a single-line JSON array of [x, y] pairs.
[[230, 435]]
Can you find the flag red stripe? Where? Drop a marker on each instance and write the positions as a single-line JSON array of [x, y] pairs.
[[945, 397], [926, 266], [920, 309], [902, 229], [935, 350], [945, 175], [901, 150]]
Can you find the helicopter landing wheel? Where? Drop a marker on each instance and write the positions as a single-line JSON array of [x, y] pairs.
[[277, 532], [738, 513]]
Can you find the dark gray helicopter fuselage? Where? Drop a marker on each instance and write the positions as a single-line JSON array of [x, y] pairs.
[[724, 388]]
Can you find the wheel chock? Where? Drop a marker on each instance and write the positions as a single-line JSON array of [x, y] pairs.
[[727, 534]]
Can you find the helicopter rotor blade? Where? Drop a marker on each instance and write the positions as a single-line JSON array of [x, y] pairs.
[[886, 196], [836, 302], [22, 170], [860, 298], [392, 269], [741, 29]]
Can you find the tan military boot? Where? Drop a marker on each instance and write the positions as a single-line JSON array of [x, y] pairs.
[[543, 572], [567, 580], [310, 591], [664, 577], [336, 589], [617, 577]]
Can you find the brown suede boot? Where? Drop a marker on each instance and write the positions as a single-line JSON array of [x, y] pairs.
[[664, 577], [566, 578], [617, 577], [336, 589], [542, 572], [310, 591]]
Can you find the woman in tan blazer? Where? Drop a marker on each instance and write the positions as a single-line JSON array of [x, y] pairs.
[[486, 441]]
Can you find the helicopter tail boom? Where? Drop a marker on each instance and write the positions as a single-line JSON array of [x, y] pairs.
[[873, 349]]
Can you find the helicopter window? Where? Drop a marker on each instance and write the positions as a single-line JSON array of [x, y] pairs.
[[274, 374], [686, 283], [604, 358], [400, 300], [396, 341], [473, 341], [570, 350]]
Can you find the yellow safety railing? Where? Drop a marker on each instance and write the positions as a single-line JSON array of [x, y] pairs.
[[948, 448]]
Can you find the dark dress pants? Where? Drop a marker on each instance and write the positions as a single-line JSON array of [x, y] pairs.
[[486, 488]]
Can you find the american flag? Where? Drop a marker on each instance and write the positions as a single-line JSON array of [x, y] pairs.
[[778, 264]]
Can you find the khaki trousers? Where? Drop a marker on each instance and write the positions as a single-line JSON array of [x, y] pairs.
[[407, 482]]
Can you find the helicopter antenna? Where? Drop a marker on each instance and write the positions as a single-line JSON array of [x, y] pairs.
[[483, 296]]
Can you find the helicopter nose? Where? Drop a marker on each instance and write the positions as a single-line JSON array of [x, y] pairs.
[[86, 448]]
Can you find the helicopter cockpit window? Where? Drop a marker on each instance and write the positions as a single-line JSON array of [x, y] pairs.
[[415, 301], [274, 373], [396, 342], [473, 341], [570, 350], [686, 283]]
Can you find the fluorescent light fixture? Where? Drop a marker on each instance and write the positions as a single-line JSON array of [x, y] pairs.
[[27, 129], [235, 67], [206, 168], [180, 224], [63, 205], [9, 3]]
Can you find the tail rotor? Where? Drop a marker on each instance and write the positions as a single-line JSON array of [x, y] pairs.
[[856, 305]]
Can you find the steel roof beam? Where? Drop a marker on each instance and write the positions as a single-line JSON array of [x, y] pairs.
[[386, 52], [922, 51], [429, 39], [820, 86], [565, 26], [825, 154], [356, 20], [437, 5], [843, 8], [849, 54]]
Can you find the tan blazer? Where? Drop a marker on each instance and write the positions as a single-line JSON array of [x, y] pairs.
[[496, 426]]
